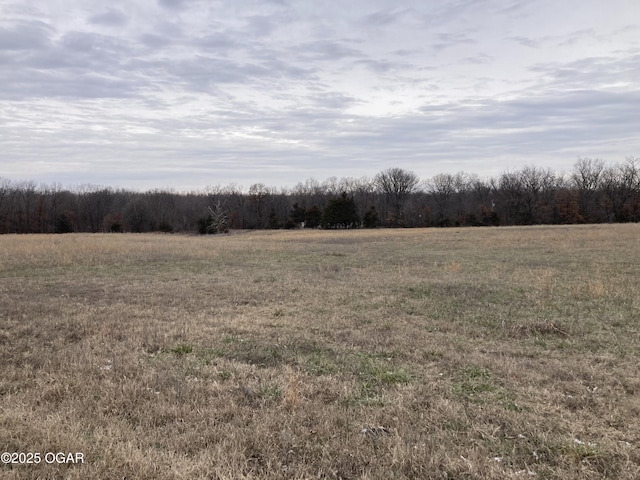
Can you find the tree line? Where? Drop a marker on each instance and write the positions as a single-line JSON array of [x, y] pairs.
[[593, 192]]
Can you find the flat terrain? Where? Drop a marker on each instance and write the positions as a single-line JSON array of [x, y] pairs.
[[478, 353]]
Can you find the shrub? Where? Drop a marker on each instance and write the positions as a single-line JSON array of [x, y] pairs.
[[165, 227], [182, 349], [203, 224], [63, 224], [370, 219], [341, 212], [312, 217]]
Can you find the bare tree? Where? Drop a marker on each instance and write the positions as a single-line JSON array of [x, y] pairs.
[[396, 185], [6, 214], [621, 189], [588, 174], [218, 221], [442, 187], [259, 195]]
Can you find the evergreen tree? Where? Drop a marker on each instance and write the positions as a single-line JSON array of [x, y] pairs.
[[297, 214], [371, 219], [274, 221], [341, 212], [312, 217], [64, 224]]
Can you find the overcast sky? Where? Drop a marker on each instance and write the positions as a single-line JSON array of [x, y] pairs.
[[188, 93]]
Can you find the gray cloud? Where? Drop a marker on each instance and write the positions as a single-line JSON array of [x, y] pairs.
[[185, 93], [327, 50], [31, 35], [110, 18], [449, 40], [591, 72], [172, 4], [262, 25], [155, 41], [383, 18], [525, 41], [219, 42]]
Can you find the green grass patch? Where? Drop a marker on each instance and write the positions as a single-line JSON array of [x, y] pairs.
[[181, 349]]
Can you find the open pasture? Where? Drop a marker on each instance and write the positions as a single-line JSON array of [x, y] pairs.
[[478, 353]]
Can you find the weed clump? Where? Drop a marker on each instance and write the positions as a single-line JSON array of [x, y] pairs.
[[182, 349]]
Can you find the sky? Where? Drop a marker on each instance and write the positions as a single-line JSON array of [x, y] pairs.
[[183, 94]]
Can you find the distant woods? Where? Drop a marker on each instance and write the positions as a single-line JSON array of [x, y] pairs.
[[594, 192]]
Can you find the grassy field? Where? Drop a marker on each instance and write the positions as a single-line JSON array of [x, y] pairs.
[[479, 353]]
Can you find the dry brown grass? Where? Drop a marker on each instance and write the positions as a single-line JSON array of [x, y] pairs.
[[485, 353]]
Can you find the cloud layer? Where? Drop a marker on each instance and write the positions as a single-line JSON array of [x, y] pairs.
[[187, 93]]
